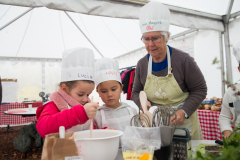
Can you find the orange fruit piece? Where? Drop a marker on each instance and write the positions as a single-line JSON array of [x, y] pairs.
[[144, 157]]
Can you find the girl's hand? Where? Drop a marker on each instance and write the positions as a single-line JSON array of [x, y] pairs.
[[149, 105], [91, 109], [89, 100], [110, 128]]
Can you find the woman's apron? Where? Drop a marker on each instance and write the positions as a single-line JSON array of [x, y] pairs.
[[165, 91], [119, 124]]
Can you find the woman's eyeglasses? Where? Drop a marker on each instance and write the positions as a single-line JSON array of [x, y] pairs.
[[154, 39]]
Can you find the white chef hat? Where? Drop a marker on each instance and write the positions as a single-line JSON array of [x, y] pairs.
[[154, 16], [236, 51], [106, 69], [77, 64]]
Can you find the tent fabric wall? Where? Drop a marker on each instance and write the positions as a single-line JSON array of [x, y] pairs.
[[234, 36], [115, 9], [206, 48], [52, 75], [28, 75]]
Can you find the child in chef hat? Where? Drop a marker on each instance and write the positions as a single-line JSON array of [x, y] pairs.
[[109, 87], [70, 106], [230, 112]]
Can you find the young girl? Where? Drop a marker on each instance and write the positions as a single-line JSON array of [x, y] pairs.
[[70, 106], [108, 82]]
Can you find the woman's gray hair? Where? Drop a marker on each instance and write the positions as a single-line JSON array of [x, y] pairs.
[[165, 34]]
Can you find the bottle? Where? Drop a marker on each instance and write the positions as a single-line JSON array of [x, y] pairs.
[[61, 132], [30, 107]]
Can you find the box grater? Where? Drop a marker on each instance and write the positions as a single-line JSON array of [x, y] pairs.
[[182, 146]]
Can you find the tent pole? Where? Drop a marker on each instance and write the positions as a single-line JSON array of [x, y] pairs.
[[227, 44], [234, 15], [83, 33], [222, 63], [227, 16], [16, 18], [228, 54]]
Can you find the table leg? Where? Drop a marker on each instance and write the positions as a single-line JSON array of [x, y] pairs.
[[8, 128]]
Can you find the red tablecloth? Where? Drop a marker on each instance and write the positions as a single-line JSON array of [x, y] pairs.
[[15, 119], [210, 124]]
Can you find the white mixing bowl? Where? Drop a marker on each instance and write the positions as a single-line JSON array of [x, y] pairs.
[[103, 145]]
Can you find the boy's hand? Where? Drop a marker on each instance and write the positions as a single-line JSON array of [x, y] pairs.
[[91, 109]]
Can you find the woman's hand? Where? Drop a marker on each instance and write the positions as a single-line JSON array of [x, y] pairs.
[[180, 118], [148, 106], [226, 133], [91, 109]]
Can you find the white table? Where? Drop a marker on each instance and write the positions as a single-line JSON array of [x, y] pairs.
[[195, 144], [27, 113]]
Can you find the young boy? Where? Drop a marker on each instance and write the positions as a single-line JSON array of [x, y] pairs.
[[113, 113]]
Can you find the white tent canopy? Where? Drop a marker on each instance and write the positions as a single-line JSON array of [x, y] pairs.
[[33, 34], [114, 9], [53, 32]]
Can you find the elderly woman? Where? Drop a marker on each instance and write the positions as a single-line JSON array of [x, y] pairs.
[[231, 103], [169, 76]]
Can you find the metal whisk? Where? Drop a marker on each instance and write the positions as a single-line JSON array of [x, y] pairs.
[[140, 120], [162, 115]]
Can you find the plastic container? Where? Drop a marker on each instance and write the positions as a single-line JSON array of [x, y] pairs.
[[30, 107], [208, 101], [104, 144]]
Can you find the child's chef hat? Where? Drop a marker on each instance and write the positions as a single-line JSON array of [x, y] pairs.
[[106, 69], [154, 16], [236, 51], [77, 64]]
